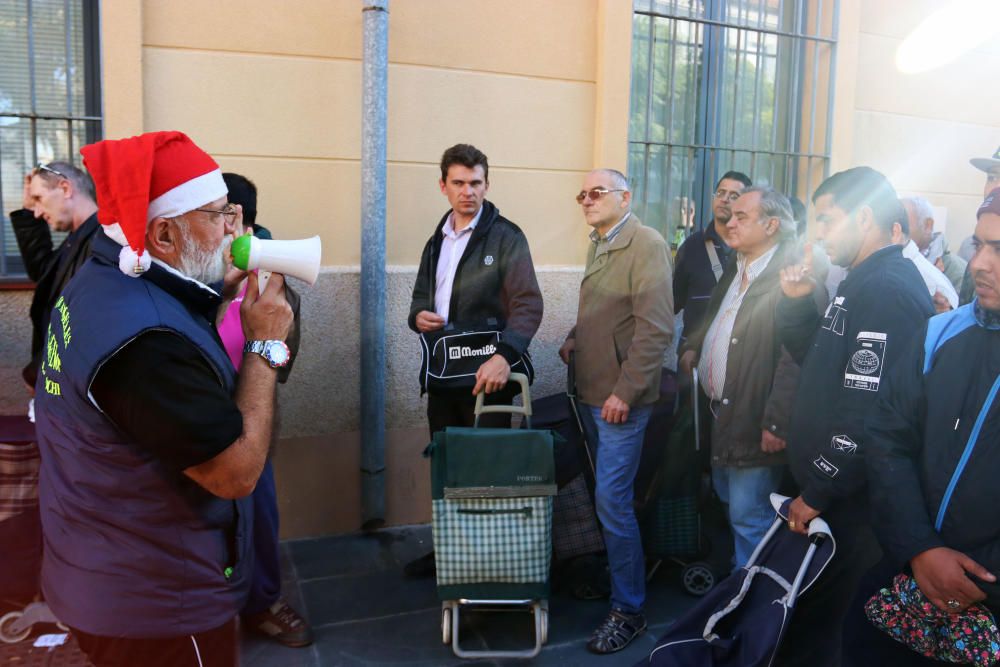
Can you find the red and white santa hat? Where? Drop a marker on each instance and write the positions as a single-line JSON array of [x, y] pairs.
[[153, 175]]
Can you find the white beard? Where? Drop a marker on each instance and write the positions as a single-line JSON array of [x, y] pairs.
[[206, 265]]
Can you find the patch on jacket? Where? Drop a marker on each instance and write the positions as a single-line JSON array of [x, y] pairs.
[[842, 443], [826, 467], [835, 316], [488, 261], [864, 368]]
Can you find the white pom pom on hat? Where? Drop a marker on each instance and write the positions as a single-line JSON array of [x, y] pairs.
[[157, 174]]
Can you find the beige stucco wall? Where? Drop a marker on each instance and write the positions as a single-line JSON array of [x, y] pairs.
[[919, 129], [273, 90]]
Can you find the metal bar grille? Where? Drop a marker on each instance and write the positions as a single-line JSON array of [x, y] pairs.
[[51, 71], [729, 84]]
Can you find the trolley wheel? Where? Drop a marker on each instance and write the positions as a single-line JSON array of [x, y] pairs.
[[7, 634], [446, 624], [697, 578], [543, 624]]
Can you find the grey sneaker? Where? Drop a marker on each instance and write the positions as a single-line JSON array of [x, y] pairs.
[[282, 624]]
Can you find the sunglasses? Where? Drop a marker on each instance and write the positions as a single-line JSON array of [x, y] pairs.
[[44, 167], [595, 193]]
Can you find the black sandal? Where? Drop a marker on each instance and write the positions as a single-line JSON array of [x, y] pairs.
[[616, 632]]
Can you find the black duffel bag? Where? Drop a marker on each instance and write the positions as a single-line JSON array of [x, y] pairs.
[[451, 356]]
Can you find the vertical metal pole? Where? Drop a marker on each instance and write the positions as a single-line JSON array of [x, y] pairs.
[[373, 158]]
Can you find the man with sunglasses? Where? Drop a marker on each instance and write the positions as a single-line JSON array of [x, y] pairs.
[[62, 196], [702, 258], [623, 327]]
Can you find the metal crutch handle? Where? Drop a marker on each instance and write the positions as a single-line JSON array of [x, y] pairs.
[[482, 408]]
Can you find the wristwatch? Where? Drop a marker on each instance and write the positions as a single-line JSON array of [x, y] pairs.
[[275, 352]]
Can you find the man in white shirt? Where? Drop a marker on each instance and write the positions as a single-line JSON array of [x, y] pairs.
[[743, 369], [940, 288]]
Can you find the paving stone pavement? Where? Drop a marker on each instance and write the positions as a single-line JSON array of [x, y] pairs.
[[366, 612]]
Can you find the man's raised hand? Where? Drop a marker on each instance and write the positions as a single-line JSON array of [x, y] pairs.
[[797, 280]]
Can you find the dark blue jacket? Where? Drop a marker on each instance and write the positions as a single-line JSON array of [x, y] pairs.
[[934, 444], [132, 549], [694, 279], [845, 357]]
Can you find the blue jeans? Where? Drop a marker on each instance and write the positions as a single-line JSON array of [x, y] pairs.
[[747, 493], [618, 449]]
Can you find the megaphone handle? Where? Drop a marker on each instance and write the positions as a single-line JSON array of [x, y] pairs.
[[262, 278]]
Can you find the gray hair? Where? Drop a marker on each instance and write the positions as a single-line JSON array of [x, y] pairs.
[[619, 179], [773, 204], [921, 207], [78, 177]]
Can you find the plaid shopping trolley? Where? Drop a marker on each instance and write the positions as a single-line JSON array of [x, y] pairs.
[[491, 493]]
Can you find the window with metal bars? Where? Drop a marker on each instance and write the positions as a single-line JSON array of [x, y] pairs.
[[727, 84], [50, 97]]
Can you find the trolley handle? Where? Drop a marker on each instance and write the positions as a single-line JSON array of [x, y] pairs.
[[482, 408]]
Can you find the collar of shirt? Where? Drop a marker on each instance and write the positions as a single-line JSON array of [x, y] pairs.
[[911, 251], [449, 229], [612, 233], [756, 267]]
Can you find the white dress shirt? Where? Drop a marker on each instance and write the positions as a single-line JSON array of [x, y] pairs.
[[452, 248], [715, 347], [935, 280]]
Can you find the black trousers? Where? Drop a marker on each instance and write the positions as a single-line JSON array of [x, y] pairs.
[[457, 409], [212, 648], [813, 638]]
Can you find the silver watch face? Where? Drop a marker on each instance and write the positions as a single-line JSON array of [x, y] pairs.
[[276, 353]]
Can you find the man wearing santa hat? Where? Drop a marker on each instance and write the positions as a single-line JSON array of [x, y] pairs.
[[150, 444]]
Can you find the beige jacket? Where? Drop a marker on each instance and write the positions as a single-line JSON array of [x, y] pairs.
[[625, 319]]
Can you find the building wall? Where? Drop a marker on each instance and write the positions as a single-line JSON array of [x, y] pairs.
[[273, 90], [919, 129], [275, 93]]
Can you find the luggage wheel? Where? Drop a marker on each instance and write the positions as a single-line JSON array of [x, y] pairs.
[[9, 633], [450, 623], [445, 623], [697, 578]]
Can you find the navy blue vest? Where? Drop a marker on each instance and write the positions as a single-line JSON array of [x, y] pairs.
[[131, 549]]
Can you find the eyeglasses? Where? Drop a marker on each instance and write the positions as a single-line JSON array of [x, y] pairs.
[[228, 212], [44, 167], [728, 195], [595, 193]]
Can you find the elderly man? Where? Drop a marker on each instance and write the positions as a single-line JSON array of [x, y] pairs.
[[62, 196], [743, 368], [933, 461], [931, 244], [623, 327], [943, 293], [844, 357], [150, 444], [703, 256]]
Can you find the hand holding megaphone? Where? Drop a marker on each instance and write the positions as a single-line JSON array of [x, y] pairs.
[[299, 259]]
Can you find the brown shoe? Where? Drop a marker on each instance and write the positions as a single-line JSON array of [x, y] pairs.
[[282, 624]]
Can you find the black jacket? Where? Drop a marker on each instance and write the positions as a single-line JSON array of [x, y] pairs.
[[879, 308], [933, 460], [50, 268], [694, 279], [495, 279]]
